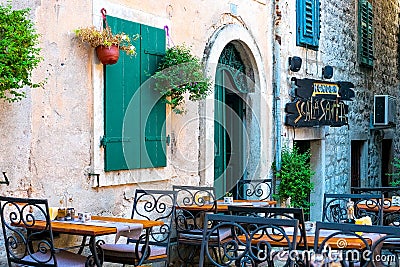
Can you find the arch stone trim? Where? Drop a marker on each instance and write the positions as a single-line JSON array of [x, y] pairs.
[[250, 53]]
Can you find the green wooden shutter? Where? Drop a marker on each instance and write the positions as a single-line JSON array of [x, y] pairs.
[[153, 108], [365, 29], [308, 24], [134, 114], [122, 80]]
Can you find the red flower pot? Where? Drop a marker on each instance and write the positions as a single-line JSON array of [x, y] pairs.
[[108, 55]]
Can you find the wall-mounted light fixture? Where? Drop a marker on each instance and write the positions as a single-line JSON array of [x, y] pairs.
[[295, 63], [327, 72]]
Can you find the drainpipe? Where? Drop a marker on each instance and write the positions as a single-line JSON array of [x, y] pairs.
[[277, 85]]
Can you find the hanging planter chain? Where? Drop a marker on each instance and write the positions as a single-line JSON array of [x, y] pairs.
[[103, 12]]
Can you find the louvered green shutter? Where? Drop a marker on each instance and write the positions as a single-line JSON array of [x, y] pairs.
[[308, 24], [153, 108], [365, 28], [134, 116]]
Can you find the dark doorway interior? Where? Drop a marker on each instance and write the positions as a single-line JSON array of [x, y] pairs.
[[303, 145], [356, 149], [386, 161]]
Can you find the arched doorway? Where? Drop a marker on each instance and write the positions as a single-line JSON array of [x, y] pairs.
[[229, 121]]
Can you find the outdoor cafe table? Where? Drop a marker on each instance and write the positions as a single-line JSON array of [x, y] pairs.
[[334, 242], [385, 209], [94, 230], [223, 207]]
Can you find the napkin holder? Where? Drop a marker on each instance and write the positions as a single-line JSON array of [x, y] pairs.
[[395, 200], [228, 200], [84, 216]]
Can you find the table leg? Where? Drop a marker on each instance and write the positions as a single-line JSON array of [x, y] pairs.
[[83, 244], [94, 251]]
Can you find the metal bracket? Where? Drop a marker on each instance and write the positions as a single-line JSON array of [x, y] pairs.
[[97, 178], [6, 181]]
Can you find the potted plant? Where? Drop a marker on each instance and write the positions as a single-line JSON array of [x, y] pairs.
[[181, 72], [295, 178], [106, 43], [19, 53]]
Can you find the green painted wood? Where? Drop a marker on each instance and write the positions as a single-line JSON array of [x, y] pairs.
[[122, 81], [134, 114], [153, 108], [229, 129], [365, 33], [219, 135]]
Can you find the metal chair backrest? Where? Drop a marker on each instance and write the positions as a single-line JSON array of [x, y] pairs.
[[259, 189], [387, 191], [193, 202], [156, 205], [252, 241], [363, 244], [391, 210], [275, 212], [28, 237], [335, 207]]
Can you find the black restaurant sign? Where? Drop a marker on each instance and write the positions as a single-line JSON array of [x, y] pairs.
[[318, 103]]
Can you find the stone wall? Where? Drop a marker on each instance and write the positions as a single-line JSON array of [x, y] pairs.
[[338, 48]]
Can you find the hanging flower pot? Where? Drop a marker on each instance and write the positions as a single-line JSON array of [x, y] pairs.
[[106, 43], [107, 55]]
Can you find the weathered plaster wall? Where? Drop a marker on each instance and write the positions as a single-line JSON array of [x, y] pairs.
[[51, 139]]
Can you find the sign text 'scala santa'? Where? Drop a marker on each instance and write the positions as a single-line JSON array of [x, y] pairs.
[[318, 103]]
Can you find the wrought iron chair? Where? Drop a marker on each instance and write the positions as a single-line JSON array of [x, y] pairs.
[[282, 213], [389, 217], [193, 202], [274, 212], [254, 189], [335, 209], [28, 237], [253, 241], [353, 244], [156, 205]]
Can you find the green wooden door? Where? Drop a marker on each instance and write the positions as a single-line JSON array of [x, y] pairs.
[[219, 135], [228, 122]]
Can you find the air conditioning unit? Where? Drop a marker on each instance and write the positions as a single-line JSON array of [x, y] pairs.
[[384, 110]]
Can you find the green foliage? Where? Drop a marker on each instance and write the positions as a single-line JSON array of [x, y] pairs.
[[295, 177], [396, 173], [18, 53], [178, 73]]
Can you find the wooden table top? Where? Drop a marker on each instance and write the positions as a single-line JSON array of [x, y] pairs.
[[334, 242], [85, 229], [385, 208], [222, 207]]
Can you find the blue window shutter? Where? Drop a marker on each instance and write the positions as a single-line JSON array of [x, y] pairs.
[[365, 28], [308, 23], [134, 118]]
